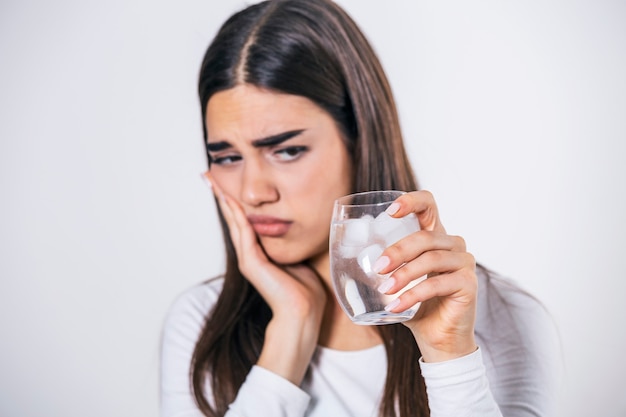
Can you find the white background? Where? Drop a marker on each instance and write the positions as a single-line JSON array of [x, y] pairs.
[[514, 114]]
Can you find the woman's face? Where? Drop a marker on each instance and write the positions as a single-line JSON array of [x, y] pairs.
[[283, 159]]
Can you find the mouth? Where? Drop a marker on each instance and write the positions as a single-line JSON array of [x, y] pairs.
[[269, 226]]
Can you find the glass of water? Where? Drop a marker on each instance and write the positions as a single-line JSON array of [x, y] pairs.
[[360, 230]]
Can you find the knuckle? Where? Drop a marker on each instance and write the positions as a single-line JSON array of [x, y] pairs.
[[405, 198], [428, 195], [394, 251], [471, 260], [409, 244], [433, 257], [469, 277], [402, 274], [434, 283], [459, 243]]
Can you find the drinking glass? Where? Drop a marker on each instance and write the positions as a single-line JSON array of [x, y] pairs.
[[360, 230]]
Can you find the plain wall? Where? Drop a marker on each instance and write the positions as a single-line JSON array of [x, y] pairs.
[[514, 114]]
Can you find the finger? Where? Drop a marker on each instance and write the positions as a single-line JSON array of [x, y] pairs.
[[422, 203], [267, 278], [431, 263], [414, 246], [219, 195], [229, 209], [459, 286], [247, 236], [210, 182]]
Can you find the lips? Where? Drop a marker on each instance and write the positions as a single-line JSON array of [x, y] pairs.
[[269, 226]]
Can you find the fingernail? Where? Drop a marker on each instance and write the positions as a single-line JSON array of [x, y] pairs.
[[386, 285], [380, 263], [392, 304], [205, 177], [392, 209]]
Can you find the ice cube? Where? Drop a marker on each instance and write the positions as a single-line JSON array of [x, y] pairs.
[[356, 231], [348, 252], [390, 229], [383, 224], [353, 297], [368, 256], [411, 223]]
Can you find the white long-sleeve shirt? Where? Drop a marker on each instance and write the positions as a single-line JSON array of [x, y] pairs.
[[514, 373]]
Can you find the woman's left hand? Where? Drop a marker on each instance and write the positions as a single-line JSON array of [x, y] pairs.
[[444, 324]]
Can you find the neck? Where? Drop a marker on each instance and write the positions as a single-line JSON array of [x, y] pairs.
[[321, 265]]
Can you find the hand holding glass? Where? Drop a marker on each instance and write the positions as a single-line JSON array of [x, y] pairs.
[[360, 231]]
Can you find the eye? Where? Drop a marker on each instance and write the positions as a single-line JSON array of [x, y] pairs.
[[225, 159], [290, 153]]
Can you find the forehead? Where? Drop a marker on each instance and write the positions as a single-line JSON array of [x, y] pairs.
[[250, 112]]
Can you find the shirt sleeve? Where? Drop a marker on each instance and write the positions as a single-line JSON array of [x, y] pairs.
[[267, 394], [263, 392], [517, 372], [181, 329], [459, 388], [521, 352]]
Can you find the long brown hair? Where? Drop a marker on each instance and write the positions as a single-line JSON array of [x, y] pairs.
[[310, 48]]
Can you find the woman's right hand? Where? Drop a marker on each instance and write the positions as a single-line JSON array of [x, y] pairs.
[[294, 293]]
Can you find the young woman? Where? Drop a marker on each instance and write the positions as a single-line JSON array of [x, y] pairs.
[[297, 112]]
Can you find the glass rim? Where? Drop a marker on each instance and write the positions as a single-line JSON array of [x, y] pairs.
[[397, 193]]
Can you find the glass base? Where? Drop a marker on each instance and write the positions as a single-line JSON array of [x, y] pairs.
[[383, 317]]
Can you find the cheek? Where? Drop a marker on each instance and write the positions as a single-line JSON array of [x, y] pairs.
[[331, 172], [229, 183], [317, 183], [337, 176], [318, 187]]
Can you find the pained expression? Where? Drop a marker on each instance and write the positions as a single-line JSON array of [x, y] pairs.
[[283, 159]]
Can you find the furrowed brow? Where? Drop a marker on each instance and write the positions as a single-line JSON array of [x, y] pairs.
[[257, 143], [217, 146], [276, 139]]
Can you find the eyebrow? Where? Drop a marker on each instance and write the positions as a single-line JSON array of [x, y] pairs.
[[272, 140]]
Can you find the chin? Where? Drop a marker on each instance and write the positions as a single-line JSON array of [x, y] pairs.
[[285, 259], [284, 254]]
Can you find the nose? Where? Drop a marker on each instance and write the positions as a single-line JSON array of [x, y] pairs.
[[258, 185]]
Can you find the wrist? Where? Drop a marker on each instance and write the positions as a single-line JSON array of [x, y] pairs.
[[288, 348], [448, 350]]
